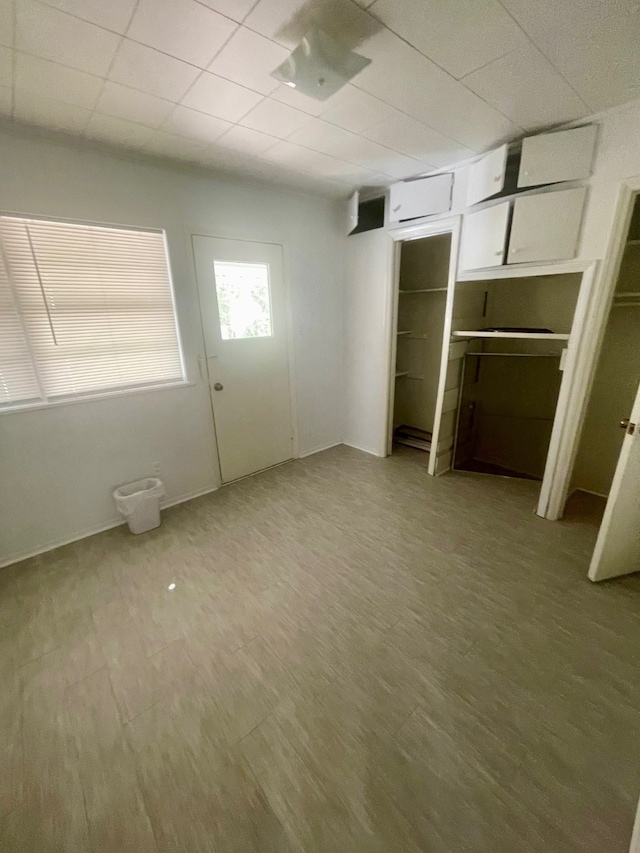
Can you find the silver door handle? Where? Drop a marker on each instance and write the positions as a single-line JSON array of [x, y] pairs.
[[218, 386]]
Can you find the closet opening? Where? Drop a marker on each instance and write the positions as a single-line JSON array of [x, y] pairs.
[[423, 284], [614, 388], [509, 340]]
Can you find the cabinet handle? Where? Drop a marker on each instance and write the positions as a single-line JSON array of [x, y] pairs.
[[497, 178], [514, 251], [498, 253]]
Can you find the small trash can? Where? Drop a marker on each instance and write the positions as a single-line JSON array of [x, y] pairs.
[[139, 503]]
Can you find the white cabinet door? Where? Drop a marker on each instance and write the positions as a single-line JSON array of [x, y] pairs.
[[484, 234], [352, 212], [553, 157], [422, 197], [486, 176], [546, 226]]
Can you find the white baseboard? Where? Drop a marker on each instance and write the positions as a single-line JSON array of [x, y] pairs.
[[365, 450], [100, 528], [311, 452]]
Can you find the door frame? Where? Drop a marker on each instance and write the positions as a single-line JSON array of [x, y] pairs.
[[448, 225], [203, 363], [604, 278]]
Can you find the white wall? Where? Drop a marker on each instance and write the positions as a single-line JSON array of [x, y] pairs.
[[59, 465]]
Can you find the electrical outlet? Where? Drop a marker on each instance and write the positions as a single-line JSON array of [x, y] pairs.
[[156, 469]]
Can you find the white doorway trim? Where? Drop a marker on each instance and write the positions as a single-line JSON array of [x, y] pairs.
[[450, 225], [586, 352]]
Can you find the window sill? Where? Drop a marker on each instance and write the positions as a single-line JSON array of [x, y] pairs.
[[93, 398]]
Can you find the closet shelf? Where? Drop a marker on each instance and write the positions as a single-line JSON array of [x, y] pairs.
[[427, 290], [407, 332], [629, 294], [402, 373], [517, 354], [633, 243], [408, 375], [523, 336]]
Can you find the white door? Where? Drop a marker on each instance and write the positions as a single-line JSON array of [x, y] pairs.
[[486, 175], [546, 226], [244, 310], [484, 235], [617, 550]]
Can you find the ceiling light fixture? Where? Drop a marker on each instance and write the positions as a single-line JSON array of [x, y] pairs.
[[319, 66]]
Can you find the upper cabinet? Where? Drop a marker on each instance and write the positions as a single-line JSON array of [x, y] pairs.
[[486, 175], [420, 197], [364, 215], [546, 226], [550, 158], [484, 237]]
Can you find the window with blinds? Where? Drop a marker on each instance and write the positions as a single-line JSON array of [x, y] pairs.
[[84, 310]]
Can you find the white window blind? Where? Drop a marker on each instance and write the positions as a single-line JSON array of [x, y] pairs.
[[84, 309]]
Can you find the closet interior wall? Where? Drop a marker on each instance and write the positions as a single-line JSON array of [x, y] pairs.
[[424, 270], [508, 387], [617, 377]]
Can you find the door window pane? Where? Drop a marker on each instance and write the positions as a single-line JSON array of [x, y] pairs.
[[243, 300]]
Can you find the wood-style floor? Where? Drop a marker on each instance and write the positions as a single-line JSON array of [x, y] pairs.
[[356, 658]]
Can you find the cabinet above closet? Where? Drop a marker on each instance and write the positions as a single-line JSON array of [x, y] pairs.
[[549, 158], [420, 197], [533, 228]]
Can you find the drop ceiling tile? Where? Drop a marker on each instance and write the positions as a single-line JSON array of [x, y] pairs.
[[249, 59], [117, 131], [132, 105], [51, 80], [6, 64], [526, 88], [222, 98], [246, 141], [172, 145], [5, 101], [114, 15], [295, 157], [286, 95], [194, 124], [457, 35], [414, 139], [143, 68], [593, 44], [49, 113], [182, 28], [275, 118], [235, 9], [6, 24], [335, 142], [356, 110], [53, 35], [402, 77]]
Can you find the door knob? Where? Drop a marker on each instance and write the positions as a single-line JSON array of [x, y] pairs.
[[624, 423], [218, 386]]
